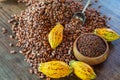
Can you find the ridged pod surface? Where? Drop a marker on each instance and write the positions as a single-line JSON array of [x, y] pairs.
[[82, 70], [56, 35], [107, 34], [55, 69]]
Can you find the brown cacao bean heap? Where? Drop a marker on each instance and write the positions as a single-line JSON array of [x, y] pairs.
[[32, 26]]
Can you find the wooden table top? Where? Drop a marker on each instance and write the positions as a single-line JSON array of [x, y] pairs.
[[13, 67]]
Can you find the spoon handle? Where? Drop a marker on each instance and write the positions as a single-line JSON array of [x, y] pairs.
[[87, 4]]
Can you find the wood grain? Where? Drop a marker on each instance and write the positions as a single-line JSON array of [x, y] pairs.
[[13, 67]]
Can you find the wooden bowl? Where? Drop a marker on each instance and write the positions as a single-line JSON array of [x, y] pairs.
[[91, 60]]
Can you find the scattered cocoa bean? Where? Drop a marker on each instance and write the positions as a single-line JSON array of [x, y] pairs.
[[11, 44], [11, 36], [31, 71], [4, 30], [13, 52]]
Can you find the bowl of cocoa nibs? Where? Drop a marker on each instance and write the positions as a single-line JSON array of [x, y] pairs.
[[91, 48]]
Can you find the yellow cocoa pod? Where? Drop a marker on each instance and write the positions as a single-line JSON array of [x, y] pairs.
[[56, 35], [107, 34], [82, 70], [55, 69]]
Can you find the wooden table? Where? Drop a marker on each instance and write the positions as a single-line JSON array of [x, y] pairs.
[[13, 67]]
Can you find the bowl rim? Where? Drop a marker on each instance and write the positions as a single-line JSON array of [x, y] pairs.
[[106, 43]]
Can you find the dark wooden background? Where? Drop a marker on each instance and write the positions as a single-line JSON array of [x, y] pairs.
[[13, 67]]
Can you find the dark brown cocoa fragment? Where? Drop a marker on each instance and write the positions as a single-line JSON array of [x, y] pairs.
[[99, 6], [95, 1], [109, 18], [42, 76], [90, 4]]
